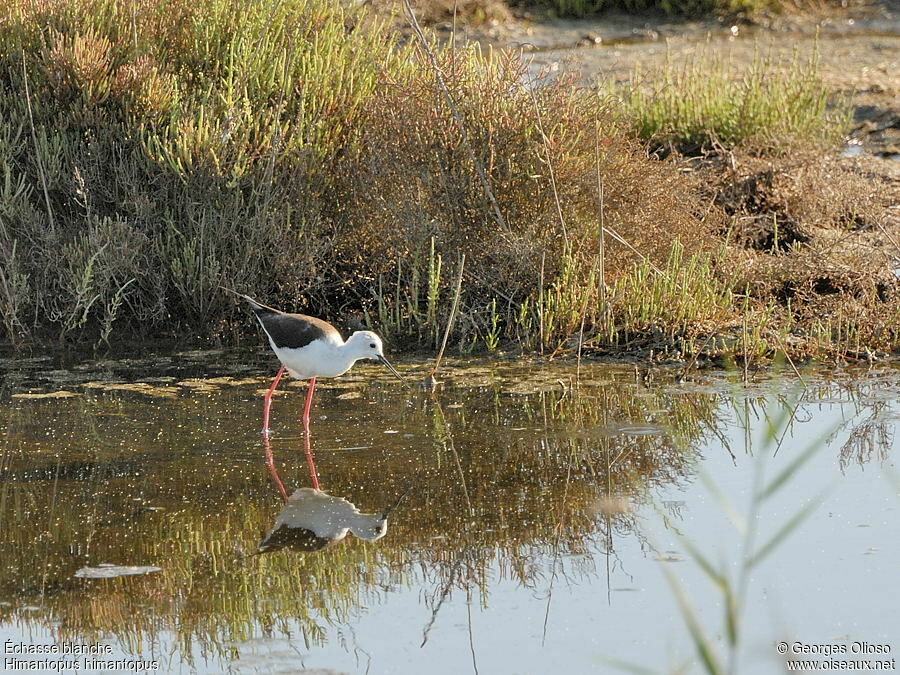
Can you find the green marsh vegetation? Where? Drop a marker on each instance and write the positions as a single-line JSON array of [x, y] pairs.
[[731, 570], [709, 101], [304, 153], [732, 578]]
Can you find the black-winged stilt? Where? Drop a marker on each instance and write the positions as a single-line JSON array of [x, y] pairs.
[[309, 348], [312, 520]]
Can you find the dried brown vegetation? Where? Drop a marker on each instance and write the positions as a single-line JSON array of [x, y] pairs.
[[410, 179], [814, 239], [464, 12]]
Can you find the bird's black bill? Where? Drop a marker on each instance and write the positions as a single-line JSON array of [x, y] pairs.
[[389, 510], [393, 370]]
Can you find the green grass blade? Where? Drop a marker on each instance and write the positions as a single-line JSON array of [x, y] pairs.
[[788, 472], [718, 578], [629, 667], [740, 524], [792, 523], [701, 641], [732, 611], [779, 422]]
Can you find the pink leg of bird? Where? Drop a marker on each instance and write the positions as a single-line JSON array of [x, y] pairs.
[[313, 475], [270, 465], [309, 457], [267, 401], [309, 395]]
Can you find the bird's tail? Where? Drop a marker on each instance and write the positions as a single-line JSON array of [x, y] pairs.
[[257, 307]]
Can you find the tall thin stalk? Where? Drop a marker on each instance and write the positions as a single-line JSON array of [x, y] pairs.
[[452, 317], [485, 184], [546, 145], [37, 148]]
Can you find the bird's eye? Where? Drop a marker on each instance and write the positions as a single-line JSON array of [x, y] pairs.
[[372, 346]]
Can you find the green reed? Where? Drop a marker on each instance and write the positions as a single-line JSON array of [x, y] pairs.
[[707, 101], [731, 579]]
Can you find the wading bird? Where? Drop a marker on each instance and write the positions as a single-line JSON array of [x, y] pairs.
[[309, 348]]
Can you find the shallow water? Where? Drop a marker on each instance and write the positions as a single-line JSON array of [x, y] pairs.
[[539, 524]]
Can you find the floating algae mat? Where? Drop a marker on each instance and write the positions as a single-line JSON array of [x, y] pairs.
[[109, 571], [535, 512]]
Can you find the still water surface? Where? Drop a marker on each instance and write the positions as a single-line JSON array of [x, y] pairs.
[[540, 520]]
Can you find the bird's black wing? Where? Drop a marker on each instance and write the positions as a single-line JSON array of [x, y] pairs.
[[295, 539], [293, 331]]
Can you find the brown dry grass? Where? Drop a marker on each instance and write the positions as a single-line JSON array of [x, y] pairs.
[[411, 179], [813, 239]]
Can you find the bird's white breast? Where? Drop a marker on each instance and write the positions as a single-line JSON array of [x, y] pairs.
[[320, 358], [323, 515]]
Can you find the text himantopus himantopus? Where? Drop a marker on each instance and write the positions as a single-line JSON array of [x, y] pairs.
[[309, 348]]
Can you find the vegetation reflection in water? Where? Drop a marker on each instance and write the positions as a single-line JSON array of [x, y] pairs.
[[519, 471]]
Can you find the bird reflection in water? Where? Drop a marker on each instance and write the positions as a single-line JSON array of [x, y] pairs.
[[312, 520], [270, 465]]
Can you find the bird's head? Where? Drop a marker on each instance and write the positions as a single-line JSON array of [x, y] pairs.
[[366, 345], [370, 526], [373, 526]]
